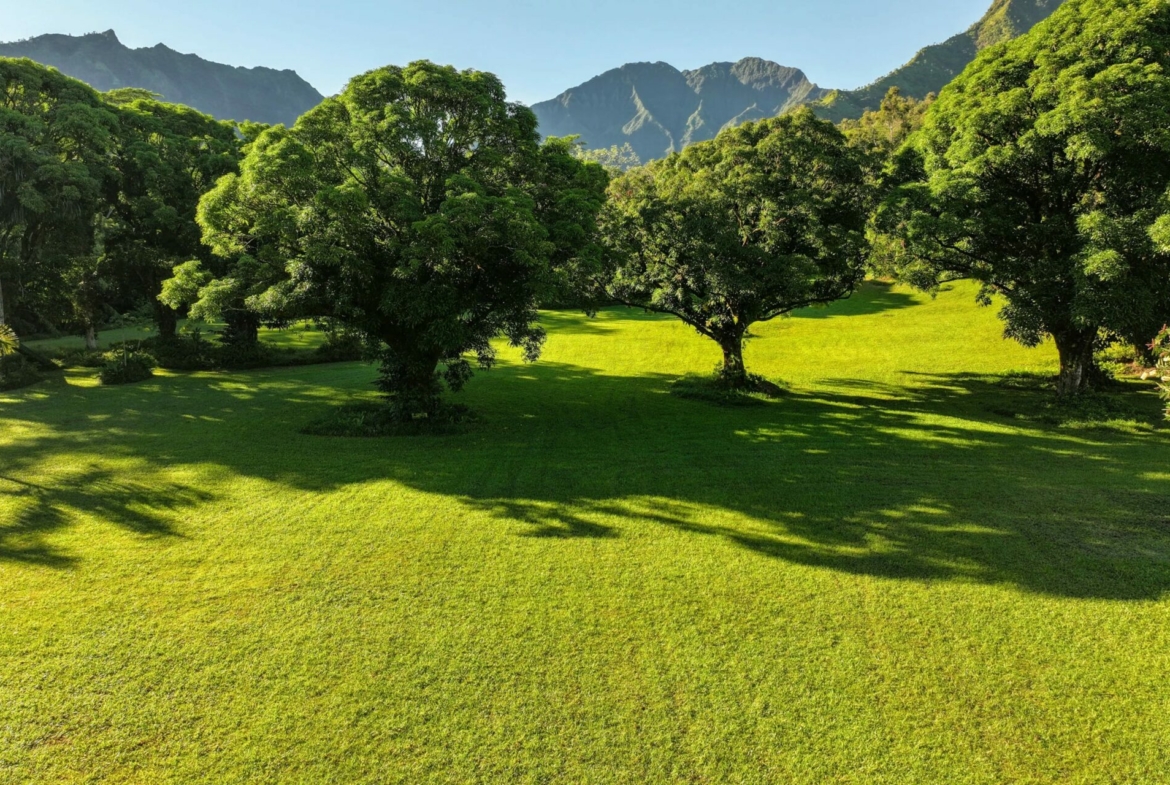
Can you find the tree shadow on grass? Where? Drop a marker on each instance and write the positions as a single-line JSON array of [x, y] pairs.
[[922, 482], [607, 320], [95, 493], [871, 297], [917, 482]]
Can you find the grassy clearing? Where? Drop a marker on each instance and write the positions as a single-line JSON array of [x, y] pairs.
[[892, 574]]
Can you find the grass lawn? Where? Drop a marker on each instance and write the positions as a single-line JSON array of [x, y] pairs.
[[301, 335], [894, 574]]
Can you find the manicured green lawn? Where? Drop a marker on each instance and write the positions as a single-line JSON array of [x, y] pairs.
[[895, 574], [297, 336]]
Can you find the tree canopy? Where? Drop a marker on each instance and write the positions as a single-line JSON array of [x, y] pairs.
[[1043, 171], [767, 218], [165, 158], [884, 130], [55, 137], [416, 207]]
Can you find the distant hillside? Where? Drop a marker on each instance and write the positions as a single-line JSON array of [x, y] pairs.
[[659, 109], [934, 67], [226, 92]]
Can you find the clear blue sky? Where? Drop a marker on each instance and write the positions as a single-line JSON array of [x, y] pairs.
[[538, 47]]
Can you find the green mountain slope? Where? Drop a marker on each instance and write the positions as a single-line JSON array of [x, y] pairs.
[[935, 66], [658, 109], [227, 92]]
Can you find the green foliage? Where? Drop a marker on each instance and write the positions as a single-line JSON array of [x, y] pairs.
[[184, 352], [416, 208], [882, 131], [166, 157], [1044, 173], [17, 372], [234, 354], [935, 66], [767, 218], [224, 91], [614, 158], [80, 358], [55, 139], [340, 347], [122, 96], [9, 343], [1161, 349], [125, 365]]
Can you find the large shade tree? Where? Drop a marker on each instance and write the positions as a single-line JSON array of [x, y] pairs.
[[166, 157], [766, 218], [55, 138], [413, 207], [1042, 172]]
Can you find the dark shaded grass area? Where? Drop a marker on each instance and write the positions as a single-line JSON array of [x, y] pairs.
[[928, 482]]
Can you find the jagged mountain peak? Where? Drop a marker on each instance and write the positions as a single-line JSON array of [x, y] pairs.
[[227, 92], [658, 108]]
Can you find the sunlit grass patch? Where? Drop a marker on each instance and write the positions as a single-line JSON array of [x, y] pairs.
[[877, 577]]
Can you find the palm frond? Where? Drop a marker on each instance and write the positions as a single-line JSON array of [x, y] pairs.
[[9, 343]]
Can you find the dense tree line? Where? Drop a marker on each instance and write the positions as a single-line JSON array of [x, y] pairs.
[[98, 195], [420, 209]]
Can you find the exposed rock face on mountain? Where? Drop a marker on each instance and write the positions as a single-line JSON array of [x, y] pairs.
[[224, 91], [659, 109], [934, 67]]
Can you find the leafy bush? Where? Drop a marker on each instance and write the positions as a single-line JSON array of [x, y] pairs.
[[80, 358], [1161, 348], [9, 343], [244, 355], [17, 372], [183, 352], [126, 366], [340, 348]]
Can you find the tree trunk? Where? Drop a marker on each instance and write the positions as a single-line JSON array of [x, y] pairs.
[[167, 321], [243, 328], [91, 338], [3, 317], [1076, 361], [734, 372], [410, 380]]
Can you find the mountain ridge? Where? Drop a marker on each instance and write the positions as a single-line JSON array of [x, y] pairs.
[[933, 67], [227, 92], [659, 109], [633, 104]]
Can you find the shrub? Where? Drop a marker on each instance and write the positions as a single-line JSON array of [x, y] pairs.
[[183, 352], [80, 358], [1161, 373], [243, 355], [17, 372], [9, 343], [340, 347], [126, 366]]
